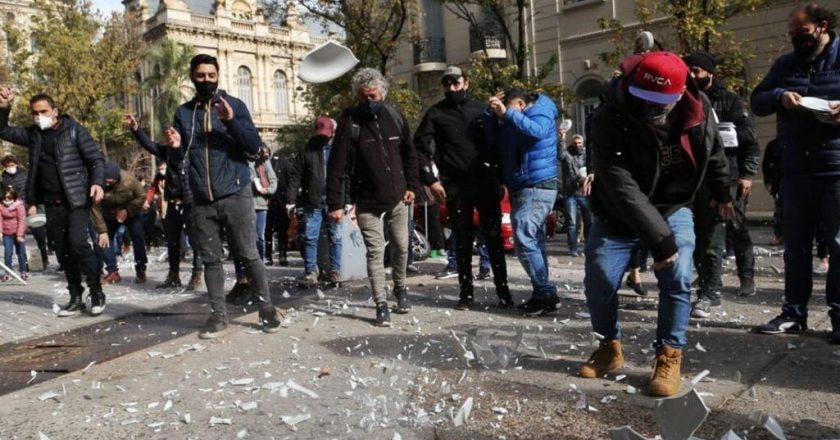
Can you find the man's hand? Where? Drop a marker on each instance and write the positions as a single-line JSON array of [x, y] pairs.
[[290, 208], [744, 186], [130, 122], [7, 95], [146, 205], [337, 215], [503, 191], [496, 106], [96, 193], [562, 133], [19, 239], [121, 215], [586, 185], [408, 197], [224, 110], [102, 241], [835, 112], [31, 211], [438, 192], [172, 138], [666, 263], [791, 100]]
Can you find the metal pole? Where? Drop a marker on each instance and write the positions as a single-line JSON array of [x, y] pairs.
[[12, 273]]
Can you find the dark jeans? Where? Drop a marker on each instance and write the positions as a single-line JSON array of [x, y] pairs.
[[10, 246], [179, 222], [434, 233], [809, 201], [738, 233], [135, 230], [460, 204], [277, 222], [67, 229], [639, 257], [40, 236], [237, 216], [777, 215], [572, 203]]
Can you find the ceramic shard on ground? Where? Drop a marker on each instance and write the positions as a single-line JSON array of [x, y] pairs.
[[625, 433], [220, 421], [463, 414], [294, 420], [731, 436], [679, 417]]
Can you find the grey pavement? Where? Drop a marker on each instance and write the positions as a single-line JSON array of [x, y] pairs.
[[330, 374]]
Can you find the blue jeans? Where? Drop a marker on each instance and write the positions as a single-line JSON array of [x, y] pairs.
[[312, 219], [608, 256], [134, 227], [261, 216], [531, 207], [483, 252], [10, 245], [571, 204], [810, 202]]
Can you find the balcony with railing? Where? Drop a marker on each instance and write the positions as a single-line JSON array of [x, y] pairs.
[[487, 41], [429, 54]]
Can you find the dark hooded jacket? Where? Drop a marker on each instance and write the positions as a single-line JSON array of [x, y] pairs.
[[80, 162], [729, 107], [626, 161]]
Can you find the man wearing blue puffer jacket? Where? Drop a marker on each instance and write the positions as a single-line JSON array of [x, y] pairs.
[[214, 145], [524, 127], [809, 151]]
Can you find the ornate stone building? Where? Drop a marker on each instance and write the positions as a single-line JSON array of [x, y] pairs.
[[258, 60]]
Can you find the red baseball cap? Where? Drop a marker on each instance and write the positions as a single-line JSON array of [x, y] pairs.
[[660, 77], [325, 126]]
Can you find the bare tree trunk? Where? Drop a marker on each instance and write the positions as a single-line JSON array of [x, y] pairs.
[[521, 48]]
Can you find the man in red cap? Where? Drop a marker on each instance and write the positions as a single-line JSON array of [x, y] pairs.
[[653, 143], [307, 190]]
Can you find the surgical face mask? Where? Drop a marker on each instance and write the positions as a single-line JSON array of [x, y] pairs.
[[162, 172], [456, 96], [205, 89], [11, 170], [656, 115], [373, 107], [8, 202], [44, 122]]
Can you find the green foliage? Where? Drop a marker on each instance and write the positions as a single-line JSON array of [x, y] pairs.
[[171, 67], [488, 78]]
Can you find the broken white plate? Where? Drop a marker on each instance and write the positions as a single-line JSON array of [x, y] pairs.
[[731, 436], [679, 417], [463, 414], [625, 433], [220, 421], [294, 420]]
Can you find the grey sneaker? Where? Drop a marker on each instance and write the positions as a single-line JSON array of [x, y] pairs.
[[308, 280], [383, 315], [403, 306], [702, 308], [269, 319], [215, 325], [747, 287]]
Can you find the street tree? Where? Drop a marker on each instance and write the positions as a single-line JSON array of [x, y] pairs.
[[166, 83]]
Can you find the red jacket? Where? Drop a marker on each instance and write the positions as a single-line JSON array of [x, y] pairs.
[[13, 218]]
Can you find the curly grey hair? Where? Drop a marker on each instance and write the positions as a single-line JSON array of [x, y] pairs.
[[369, 78]]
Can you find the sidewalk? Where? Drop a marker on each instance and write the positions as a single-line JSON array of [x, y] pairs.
[[330, 374]]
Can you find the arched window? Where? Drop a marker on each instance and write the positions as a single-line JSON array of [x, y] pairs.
[[243, 81], [281, 93], [589, 93]]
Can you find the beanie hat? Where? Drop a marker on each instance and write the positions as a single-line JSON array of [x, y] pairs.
[[660, 78], [112, 170], [703, 60]]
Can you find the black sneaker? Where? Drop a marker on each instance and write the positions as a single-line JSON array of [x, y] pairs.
[[97, 301], [215, 325], [446, 273], [239, 295], [483, 273], [505, 299], [402, 300], [783, 324], [702, 308], [637, 288], [834, 336], [383, 315], [539, 307], [268, 319], [464, 304], [72, 308], [747, 287]]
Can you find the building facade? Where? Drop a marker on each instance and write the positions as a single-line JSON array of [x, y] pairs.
[[258, 60], [569, 31]]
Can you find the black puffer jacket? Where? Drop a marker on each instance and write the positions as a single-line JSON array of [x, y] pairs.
[[307, 178], [744, 159], [16, 181], [282, 169], [383, 163], [81, 163], [626, 160]]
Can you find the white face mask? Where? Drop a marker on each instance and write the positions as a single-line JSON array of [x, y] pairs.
[[11, 170], [43, 122], [8, 202], [162, 172]]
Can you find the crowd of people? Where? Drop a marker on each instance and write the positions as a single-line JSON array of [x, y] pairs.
[[664, 169]]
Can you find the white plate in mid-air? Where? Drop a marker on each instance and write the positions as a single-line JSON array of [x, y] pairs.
[[817, 104], [36, 221], [326, 63]]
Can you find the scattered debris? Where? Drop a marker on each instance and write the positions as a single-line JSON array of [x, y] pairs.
[[769, 423], [48, 395], [294, 420], [625, 433], [220, 421], [463, 414], [731, 436], [679, 417]]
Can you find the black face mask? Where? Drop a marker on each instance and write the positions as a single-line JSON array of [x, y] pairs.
[[205, 90], [656, 115], [372, 107], [703, 83], [456, 97], [805, 45]]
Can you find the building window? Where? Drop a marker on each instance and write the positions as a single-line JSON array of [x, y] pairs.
[[281, 93], [589, 93], [243, 81]]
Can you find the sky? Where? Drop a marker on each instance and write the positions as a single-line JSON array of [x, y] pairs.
[[108, 6]]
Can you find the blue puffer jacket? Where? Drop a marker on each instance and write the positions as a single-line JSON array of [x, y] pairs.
[[807, 146], [527, 142], [217, 162]]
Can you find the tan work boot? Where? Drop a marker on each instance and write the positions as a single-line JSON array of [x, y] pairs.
[[195, 280], [606, 358], [665, 380]]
